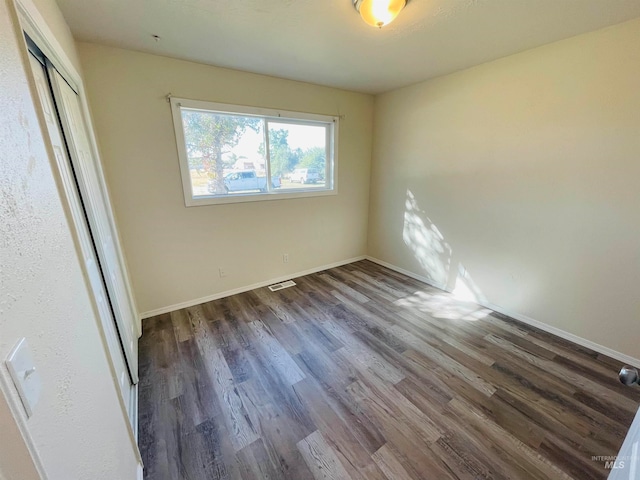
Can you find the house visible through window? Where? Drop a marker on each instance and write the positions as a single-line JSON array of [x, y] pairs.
[[233, 154]]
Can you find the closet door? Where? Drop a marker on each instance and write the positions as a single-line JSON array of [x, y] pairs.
[[86, 242], [95, 202]]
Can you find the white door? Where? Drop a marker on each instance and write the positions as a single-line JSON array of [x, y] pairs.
[[86, 241], [96, 202], [626, 466]]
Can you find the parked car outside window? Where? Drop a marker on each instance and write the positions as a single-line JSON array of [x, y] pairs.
[[305, 175], [243, 181]]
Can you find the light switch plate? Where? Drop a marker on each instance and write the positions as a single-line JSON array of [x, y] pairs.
[[24, 375]]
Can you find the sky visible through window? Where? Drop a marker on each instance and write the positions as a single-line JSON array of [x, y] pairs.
[[303, 137]]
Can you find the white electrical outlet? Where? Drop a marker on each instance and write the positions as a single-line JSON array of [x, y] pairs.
[[285, 258], [223, 272]]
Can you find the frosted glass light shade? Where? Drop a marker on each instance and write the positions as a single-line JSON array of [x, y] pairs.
[[379, 13]]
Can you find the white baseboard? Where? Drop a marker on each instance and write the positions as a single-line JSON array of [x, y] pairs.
[[624, 358], [235, 291], [408, 273]]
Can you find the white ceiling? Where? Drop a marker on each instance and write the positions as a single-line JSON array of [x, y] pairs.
[[326, 42]]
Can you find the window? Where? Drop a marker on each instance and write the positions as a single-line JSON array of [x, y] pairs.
[[232, 154]]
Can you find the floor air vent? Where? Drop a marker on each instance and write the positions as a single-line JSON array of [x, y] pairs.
[[280, 286]]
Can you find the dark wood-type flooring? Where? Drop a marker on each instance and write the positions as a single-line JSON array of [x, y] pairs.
[[359, 372]]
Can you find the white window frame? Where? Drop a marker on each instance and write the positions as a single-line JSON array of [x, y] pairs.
[[280, 116]]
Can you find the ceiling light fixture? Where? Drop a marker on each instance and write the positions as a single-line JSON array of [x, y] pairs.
[[379, 13]]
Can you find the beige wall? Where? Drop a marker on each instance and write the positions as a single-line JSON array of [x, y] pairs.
[[174, 252], [78, 428], [525, 171]]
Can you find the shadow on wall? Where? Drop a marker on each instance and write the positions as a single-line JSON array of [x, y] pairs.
[[435, 255]]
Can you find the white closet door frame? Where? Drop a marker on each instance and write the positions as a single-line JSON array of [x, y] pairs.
[[37, 29], [96, 205], [34, 25], [85, 241]]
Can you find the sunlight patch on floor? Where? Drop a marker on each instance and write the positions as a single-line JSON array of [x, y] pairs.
[[443, 306]]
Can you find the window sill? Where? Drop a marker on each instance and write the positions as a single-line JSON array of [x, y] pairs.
[[255, 197]]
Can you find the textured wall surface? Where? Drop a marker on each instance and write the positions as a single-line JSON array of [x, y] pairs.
[[517, 181], [78, 427], [174, 252]]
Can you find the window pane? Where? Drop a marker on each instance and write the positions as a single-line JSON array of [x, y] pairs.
[[224, 157], [298, 155], [225, 153]]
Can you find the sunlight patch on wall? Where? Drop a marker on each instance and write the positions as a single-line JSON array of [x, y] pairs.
[[426, 242], [465, 288], [435, 257]]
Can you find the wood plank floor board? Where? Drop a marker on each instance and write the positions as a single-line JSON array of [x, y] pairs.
[[373, 321], [238, 423], [261, 461], [151, 442], [203, 452], [573, 378], [315, 293], [312, 331], [331, 281], [236, 324], [275, 354], [563, 403], [321, 458], [181, 326], [622, 417], [160, 361], [505, 371], [368, 288], [221, 323], [349, 411], [425, 355], [331, 372], [461, 334], [398, 432], [480, 456], [536, 465], [335, 427], [577, 466], [361, 357], [390, 465], [362, 373], [239, 365], [436, 337], [598, 375], [198, 400], [286, 334], [557, 423], [279, 433], [283, 397], [470, 460]]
